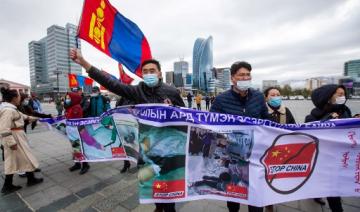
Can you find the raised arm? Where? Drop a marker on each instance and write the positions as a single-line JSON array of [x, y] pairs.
[[103, 78]]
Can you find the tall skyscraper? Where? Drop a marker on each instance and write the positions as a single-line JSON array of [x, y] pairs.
[[37, 63], [188, 81], [181, 68], [169, 77], [202, 63], [223, 76], [49, 60]]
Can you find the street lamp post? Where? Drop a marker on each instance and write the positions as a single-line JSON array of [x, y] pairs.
[[57, 72]]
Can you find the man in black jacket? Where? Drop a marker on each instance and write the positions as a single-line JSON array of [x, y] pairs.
[[151, 90]]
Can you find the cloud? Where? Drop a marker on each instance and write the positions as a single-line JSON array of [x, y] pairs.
[[281, 39]]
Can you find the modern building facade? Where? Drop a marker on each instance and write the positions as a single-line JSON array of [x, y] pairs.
[[169, 77], [202, 63], [188, 81], [14, 85], [223, 77], [181, 68], [49, 60], [352, 69]]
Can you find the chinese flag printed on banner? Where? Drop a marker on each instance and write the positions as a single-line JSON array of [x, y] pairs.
[[73, 82], [168, 189], [233, 190], [118, 152], [290, 160], [78, 156]]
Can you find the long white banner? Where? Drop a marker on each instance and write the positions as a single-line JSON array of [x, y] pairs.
[[191, 155]]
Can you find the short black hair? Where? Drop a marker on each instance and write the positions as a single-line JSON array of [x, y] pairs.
[[237, 65], [8, 94], [266, 92], [153, 61], [95, 88]]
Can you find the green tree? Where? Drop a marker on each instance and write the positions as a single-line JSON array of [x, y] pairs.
[[286, 91]]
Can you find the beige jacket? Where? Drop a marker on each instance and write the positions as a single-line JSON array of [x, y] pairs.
[[22, 159]]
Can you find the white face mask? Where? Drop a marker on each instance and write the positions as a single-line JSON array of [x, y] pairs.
[[340, 100], [94, 94], [243, 85]]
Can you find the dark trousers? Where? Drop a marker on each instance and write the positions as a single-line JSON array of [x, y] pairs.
[[198, 106], [235, 207], [189, 104], [2, 152], [207, 106], [126, 164], [166, 207], [335, 204]]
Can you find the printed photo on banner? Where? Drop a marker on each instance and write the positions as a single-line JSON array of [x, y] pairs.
[[128, 130], [221, 161], [57, 125], [163, 151], [101, 141], [74, 138]]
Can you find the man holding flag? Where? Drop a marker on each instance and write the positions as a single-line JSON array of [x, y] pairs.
[[113, 34], [151, 90]]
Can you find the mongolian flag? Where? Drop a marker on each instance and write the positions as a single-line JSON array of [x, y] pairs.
[[124, 78], [110, 32], [79, 81], [73, 82]]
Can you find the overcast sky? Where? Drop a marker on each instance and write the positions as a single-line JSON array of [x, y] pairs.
[[282, 39]]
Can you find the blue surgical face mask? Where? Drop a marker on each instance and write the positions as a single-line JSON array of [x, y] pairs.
[[151, 80], [67, 101], [243, 85], [275, 101]]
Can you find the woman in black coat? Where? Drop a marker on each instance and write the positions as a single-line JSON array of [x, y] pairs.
[[329, 101]]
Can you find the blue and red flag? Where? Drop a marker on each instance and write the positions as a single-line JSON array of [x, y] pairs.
[[79, 81], [112, 33]]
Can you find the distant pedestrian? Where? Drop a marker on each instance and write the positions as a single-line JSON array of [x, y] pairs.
[[35, 104], [207, 102], [189, 100], [212, 99], [198, 100], [26, 108], [59, 103]]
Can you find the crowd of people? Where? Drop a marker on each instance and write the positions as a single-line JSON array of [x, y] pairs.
[[20, 110]]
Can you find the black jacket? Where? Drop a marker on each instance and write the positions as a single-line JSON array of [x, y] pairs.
[[323, 110], [275, 114], [137, 94]]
